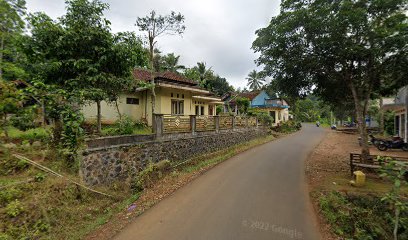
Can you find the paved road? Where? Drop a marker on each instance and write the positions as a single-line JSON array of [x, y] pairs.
[[258, 194]]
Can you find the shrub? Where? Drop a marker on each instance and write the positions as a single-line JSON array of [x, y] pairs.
[[14, 208], [264, 118], [288, 126], [8, 195], [124, 126], [152, 173], [360, 217], [24, 119]]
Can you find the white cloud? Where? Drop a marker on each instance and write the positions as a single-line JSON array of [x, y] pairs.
[[218, 32]]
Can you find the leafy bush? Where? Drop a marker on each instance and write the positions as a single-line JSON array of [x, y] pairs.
[[24, 119], [360, 217], [124, 126], [14, 208], [264, 118], [152, 173], [288, 126], [8, 195]]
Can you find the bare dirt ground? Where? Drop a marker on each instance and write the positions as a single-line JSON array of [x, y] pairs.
[[327, 168]]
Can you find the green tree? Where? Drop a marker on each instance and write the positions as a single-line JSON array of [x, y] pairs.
[[10, 102], [11, 29], [192, 74], [79, 53], [171, 63], [154, 26], [218, 85], [255, 81], [204, 72], [337, 49]]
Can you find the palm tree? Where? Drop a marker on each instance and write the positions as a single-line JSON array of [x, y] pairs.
[[203, 71], [171, 63], [255, 81]]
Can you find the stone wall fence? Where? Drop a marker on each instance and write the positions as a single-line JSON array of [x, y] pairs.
[[174, 138]]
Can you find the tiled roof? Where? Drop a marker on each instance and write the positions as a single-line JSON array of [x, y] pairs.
[[249, 95], [145, 75]]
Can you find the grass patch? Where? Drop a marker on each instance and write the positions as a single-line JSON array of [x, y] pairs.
[[113, 130], [34, 134]]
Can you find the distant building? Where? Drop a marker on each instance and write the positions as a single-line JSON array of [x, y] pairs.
[[277, 108]]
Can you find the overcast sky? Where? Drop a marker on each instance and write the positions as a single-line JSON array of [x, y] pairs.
[[218, 32]]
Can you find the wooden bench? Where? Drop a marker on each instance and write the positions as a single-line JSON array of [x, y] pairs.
[[371, 163]]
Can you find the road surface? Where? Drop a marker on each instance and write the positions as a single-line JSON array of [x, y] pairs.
[[258, 194]]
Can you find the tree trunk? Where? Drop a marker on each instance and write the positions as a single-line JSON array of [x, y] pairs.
[[151, 49], [1, 55], [98, 117], [381, 116], [117, 109], [365, 151], [44, 118]]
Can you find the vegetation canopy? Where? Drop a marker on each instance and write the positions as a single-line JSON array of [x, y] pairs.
[[337, 49]]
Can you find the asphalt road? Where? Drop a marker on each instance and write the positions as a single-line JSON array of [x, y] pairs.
[[258, 194]]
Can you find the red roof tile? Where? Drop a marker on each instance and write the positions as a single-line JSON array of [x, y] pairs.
[[145, 75], [249, 95]]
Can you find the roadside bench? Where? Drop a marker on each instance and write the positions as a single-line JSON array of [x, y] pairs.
[[356, 162]]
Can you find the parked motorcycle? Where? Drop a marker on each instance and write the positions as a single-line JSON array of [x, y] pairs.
[[373, 140], [396, 143]]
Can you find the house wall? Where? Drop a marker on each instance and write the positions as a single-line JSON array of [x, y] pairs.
[[109, 112], [143, 111], [260, 99]]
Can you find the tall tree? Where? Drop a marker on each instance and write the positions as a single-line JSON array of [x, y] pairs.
[[205, 73], [255, 81], [11, 29], [154, 26], [171, 63], [79, 53], [218, 85], [337, 48]]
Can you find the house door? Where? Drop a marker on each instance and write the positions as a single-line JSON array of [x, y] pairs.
[[273, 115], [197, 110], [397, 125], [210, 110]]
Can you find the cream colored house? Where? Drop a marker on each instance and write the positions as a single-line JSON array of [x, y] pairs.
[[175, 95]]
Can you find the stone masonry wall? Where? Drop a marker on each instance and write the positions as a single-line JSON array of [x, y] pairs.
[[122, 163]]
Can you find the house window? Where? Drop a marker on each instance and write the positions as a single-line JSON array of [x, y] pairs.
[[133, 101], [202, 110], [171, 94], [177, 107], [182, 95]]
